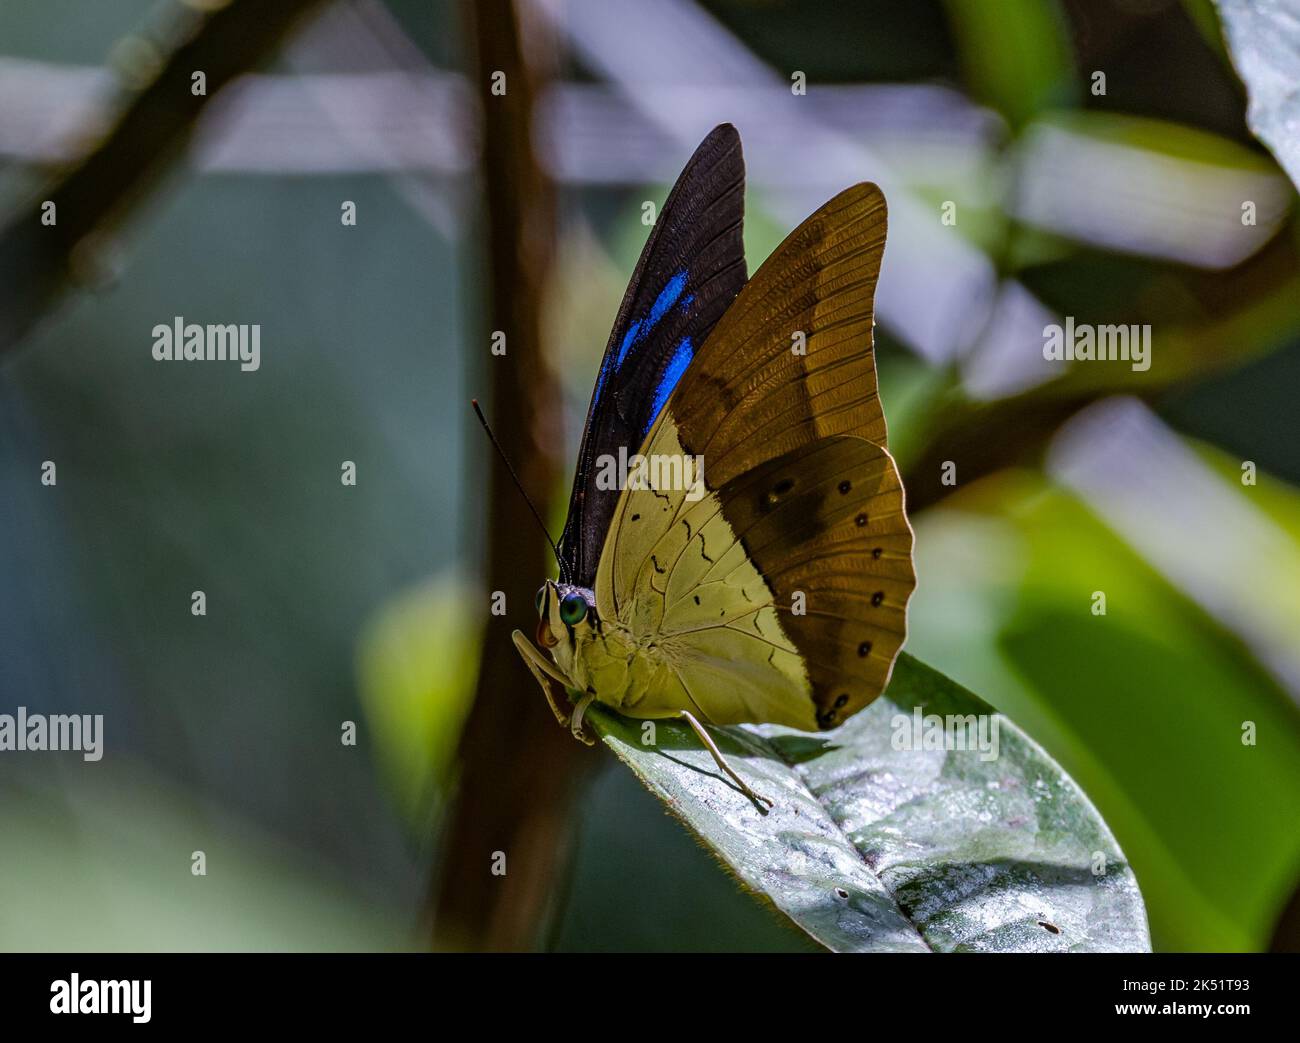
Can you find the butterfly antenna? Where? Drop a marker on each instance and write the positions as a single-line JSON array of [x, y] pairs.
[[518, 484]]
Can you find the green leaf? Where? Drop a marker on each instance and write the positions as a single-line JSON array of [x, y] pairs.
[[1264, 38], [1152, 728], [870, 848]]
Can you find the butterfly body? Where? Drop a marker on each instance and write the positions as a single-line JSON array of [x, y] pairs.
[[760, 571]]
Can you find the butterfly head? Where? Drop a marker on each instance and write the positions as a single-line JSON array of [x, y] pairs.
[[565, 614]]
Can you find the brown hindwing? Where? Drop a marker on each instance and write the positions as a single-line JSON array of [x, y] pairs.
[[825, 526]]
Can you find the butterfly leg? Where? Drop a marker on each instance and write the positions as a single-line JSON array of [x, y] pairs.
[[545, 673], [721, 761], [576, 725]]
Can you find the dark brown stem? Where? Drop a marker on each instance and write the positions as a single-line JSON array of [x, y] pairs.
[[516, 766]]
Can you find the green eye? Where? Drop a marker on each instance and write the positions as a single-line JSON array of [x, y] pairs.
[[573, 607], [541, 598]]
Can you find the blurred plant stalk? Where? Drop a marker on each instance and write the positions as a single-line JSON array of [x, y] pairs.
[[516, 766]]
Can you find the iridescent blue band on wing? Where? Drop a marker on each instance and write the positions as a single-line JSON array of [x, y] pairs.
[[672, 374], [639, 330]]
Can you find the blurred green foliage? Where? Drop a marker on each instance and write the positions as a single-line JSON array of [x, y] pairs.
[[1144, 709]]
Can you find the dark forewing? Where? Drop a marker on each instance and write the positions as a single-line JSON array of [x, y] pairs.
[[691, 269]]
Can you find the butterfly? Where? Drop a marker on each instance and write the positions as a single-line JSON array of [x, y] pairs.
[[766, 578]]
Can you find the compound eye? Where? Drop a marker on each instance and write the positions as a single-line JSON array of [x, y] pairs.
[[573, 609], [541, 599]]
